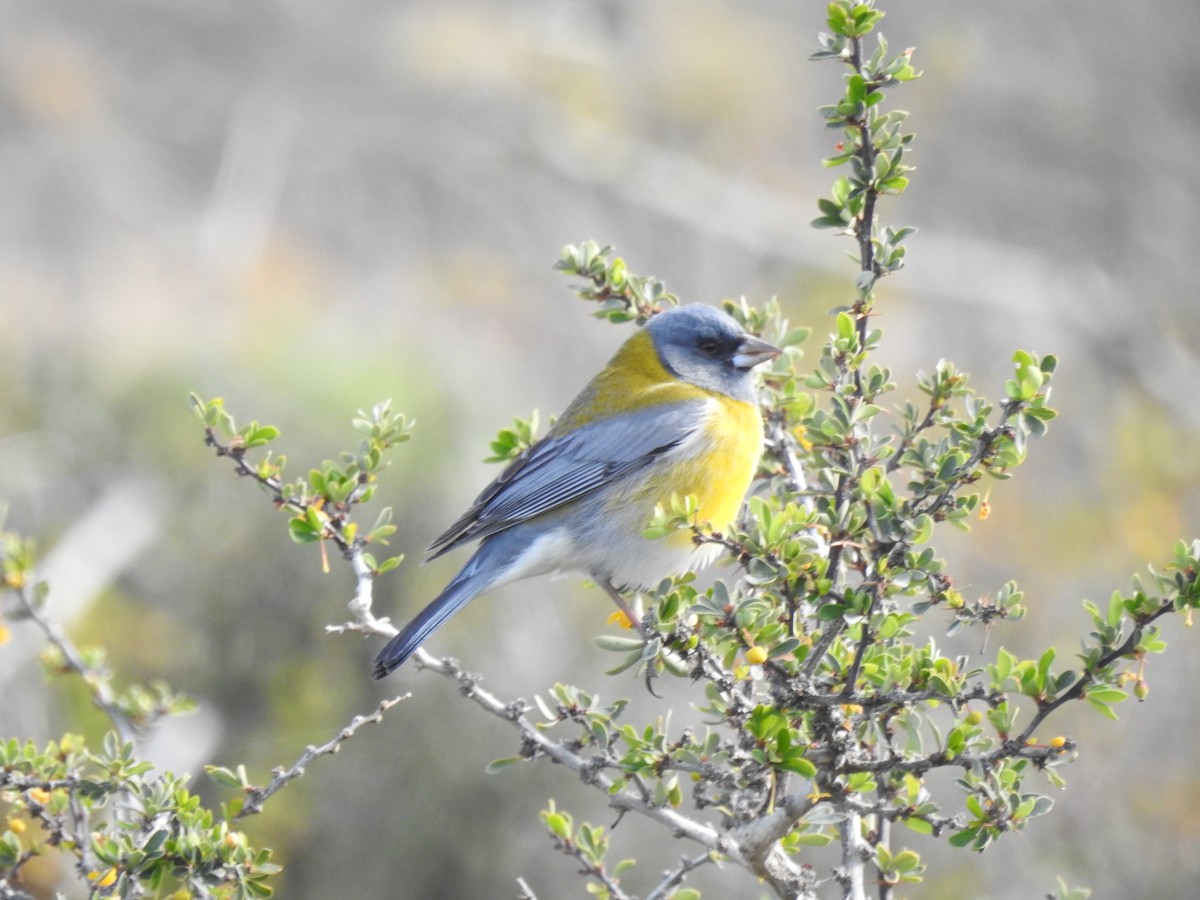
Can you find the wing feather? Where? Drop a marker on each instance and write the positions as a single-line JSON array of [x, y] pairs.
[[563, 468]]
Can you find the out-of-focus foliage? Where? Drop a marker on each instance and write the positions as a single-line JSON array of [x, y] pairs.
[[297, 207]]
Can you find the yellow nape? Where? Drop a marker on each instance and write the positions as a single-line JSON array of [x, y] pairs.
[[633, 379]]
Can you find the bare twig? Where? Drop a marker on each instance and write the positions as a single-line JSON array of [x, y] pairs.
[[258, 796], [854, 857], [362, 618], [672, 878], [781, 443], [98, 682]]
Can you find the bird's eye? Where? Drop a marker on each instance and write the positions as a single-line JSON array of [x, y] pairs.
[[708, 346]]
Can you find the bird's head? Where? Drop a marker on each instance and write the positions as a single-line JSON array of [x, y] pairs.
[[708, 348]]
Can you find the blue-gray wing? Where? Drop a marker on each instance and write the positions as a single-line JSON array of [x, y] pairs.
[[562, 468]]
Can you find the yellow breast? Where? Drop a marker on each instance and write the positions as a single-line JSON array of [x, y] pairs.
[[719, 472], [716, 465]]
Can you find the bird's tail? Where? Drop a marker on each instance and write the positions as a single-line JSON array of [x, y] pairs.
[[468, 584]]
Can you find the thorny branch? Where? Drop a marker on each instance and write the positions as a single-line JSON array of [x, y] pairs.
[[258, 796], [353, 549]]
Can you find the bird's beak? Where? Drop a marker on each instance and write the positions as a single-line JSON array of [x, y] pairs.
[[752, 352]]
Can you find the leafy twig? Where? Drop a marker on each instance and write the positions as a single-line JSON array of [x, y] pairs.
[[322, 504], [772, 864], [591, 869]]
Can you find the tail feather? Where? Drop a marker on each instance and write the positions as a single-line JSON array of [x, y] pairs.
[[457, 594]]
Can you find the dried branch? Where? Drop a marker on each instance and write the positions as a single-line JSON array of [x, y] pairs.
[[258, 796]]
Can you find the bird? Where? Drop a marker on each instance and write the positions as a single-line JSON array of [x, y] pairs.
[[674, 413]]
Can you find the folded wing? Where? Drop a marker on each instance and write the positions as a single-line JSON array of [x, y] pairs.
[[562, 468]]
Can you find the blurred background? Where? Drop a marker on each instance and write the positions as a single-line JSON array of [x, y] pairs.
[[307, 208]]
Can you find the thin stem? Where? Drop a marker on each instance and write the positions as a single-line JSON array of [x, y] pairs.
[[1076, 690], [864, 642], [769, 863], [883, 838], [362, 618], [864, 228], [674, 877], [864, 232], [98, 682], [834, 628], [258, 796], [612, 886]]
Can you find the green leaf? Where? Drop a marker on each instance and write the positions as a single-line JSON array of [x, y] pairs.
[[920, 826], [800, 765], [559, 825], [302, 532], [845, 327], [922, 528], [793, 337], [224, 777], [829, 208], [1105, 693], [499, 765], [1043, 669], [964, 838], [618, 643], [262, 435]]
